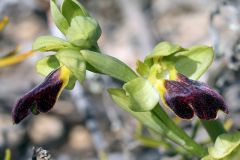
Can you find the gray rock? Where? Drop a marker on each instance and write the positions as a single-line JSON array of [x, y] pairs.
[[45, 129]]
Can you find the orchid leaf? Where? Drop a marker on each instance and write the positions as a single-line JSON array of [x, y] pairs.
[[109, 65], [142, 95]]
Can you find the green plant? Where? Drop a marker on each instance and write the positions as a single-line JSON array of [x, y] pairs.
[[168, 75]]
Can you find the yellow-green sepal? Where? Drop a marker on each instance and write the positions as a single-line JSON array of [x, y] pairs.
[[142, 69], [83, 32], [109, 65], [60, 21], [226, 147], [162, 49], [147, 118], [74, 61], [50, 43], [72, 8], [143, 96], [193, 62]]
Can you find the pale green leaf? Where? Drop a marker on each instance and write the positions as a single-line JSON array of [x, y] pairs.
[[74, 61], [50, 43], [71, 9], [83, 32], [142, 95], [109, 65], [58, 18]]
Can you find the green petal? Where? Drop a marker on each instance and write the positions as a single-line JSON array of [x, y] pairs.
[[49, 64], [193, 62], [142, 95], [71, 82], [50, 43], [143, 69], [74, 61], [60, 21], [72, 8], [163, 49], [109, 65]]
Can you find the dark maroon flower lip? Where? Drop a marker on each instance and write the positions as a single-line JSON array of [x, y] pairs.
[[40, 99], [188, 97]]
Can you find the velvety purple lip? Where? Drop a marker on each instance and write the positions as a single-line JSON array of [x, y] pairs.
[[188, 97], [41, 98]]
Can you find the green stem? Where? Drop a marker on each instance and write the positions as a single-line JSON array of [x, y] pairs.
[[195, 129], [214, 128], [177, 134]]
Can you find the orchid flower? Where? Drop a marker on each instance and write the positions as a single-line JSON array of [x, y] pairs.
[[188, 97], [43, 97]]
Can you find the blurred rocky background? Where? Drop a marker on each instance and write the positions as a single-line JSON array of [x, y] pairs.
[[85, 124]]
